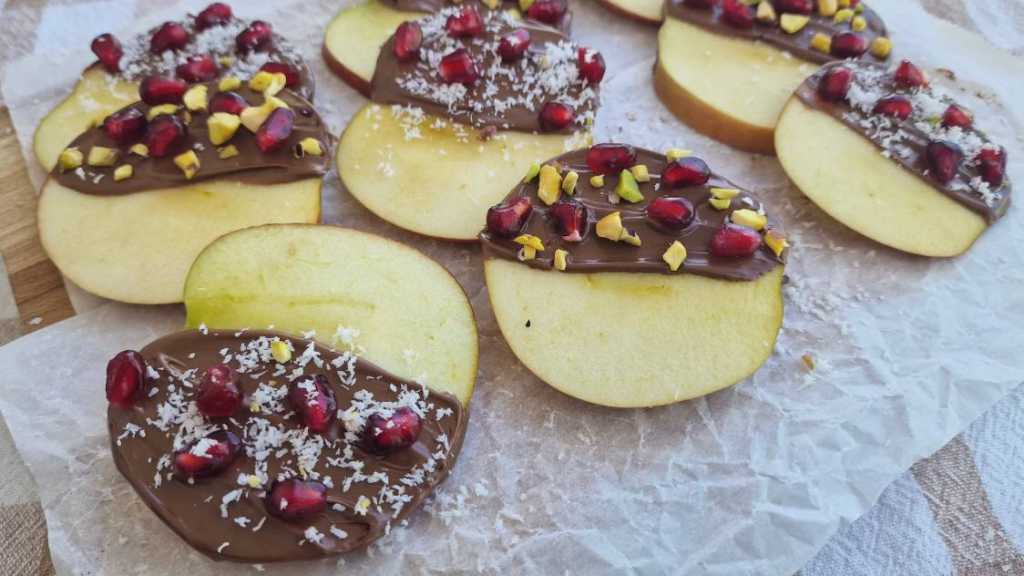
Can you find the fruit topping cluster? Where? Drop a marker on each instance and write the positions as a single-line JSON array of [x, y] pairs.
[[550, 12]]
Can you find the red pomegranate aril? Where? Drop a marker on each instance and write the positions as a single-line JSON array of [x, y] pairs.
[[258, 37], [835, 84], [313, 399], [218, 395], [591, 65], [156, 90], [992, 165], [686, 171], [570, 220], [458, 68], [555, 116], [296, 499], [610, 158], [943, 160], [125, 126], [466, 24], [292, 75], [390, 433], [408, 40], [108, 49], [699, 3], [955, 116], [230, 102], [673, 213], [737, 14], [125, 374], [894, 107], [909, 76], [164, 135], [849, 45], [547, 11], [215, 453], [216, 14], [506, 220], [170, 36], [276, 130], [795, 6], [514, 44], [733, 240], [197, 69]]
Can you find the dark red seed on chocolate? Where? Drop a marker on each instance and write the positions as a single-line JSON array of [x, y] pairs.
[[465, 24], [699, 3], [671, 212], [943, 160], [296, 499], [408, 40], [169, 36], [258, 37], [506, 220], [547, 11], [458, 68], [292, 75], [197, 69], [909, 76], [276, 130], [125, 374], [216, 14], [733, 240], [164, 135], [610, 158], [591, 65], [955, 116], [686, 171], [737, 14], [218, 395], [514, 44], [555, 116], [894, 107], [313, 400], [796, 6], [835, 84], [125, 126], [570, 220], [992, 165], [848, 45], [207, 456], [108, 49], [156, 90], [230, 102], [386, 433]]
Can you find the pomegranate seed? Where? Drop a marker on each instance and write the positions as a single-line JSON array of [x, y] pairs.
[[125, 125], [737, 14], [207, 456], [591, 65], [164, 135], [197, 69], [125, 374], [216, 14], [514, 44], [943, 160], [292, 75], [218, 395], [686, 171], [384, 434], [296, 499], [894, 107], [610, 158], [314, 400], [458, 68], [230, 102], [699, 3], [466, 24], [909, 76], [156, 90], [508, 219], [848, 45], [570, 220], [992, 165], [734, 240], [107, 48], [170, 36], [797, 6], [957, 116], [556, 116], [671, 212], [835, 84], [547, 11], [258, 37], [408, 39], [276, 130]]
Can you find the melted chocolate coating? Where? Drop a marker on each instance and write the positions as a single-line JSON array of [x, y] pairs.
[[184, 507], [596, 254], [431, 6]]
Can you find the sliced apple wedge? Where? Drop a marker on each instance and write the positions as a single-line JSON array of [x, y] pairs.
[[413, 318], [95, 96], [868, 192], [433, 176], [648, 11], [138, 247]]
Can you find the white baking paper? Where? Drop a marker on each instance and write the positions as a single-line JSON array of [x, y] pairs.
[[751, 480]]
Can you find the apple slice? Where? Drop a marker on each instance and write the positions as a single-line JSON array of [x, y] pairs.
[[95, 96], [138, 247], [630, 340], [413, 318], [647, 11], [354, 38], [846, 176], [433, 176]]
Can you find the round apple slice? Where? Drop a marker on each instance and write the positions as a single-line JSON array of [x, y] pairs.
[[647, 11], [412, 316]]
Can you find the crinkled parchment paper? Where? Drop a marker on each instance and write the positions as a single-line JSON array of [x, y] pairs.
[[751, 480]]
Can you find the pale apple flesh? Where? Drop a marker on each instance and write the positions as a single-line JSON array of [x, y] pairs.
[[630, 340], [846, 175], [729, 89], [138, 247], [95, 96], [412, 317], [647, 11], [433, 176]]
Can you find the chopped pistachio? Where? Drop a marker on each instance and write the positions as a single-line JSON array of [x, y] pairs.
[[627, 188], [526, 253], [749, 218], [70, 159], [229, 83], [222, 127], [226, 61], [776, 242], [673, 154], [140, 149], [858, 24], [530, 240], [524, 5], [721, 203], [827, 7], [766, 12], [229, 151], [561, 259], [881, 47], [309, 147], [550, 187], [569, 182], [195, 98], [843, 15], [123, 172], [821, 43], [261, 81], [160, 110], [102, 156], [725, 193], [597, 180], [630, 237], [640, 173], [793, 23], [610, 227], [675, 255], [531, 173], [280, 351], [188, 162]]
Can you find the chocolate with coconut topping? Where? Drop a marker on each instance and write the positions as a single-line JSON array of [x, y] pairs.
[[431, 6]]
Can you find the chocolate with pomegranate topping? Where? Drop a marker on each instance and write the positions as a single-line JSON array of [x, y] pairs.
[[251, 164], [286, 492], [676, 205], [931, 135], [564, 22]]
